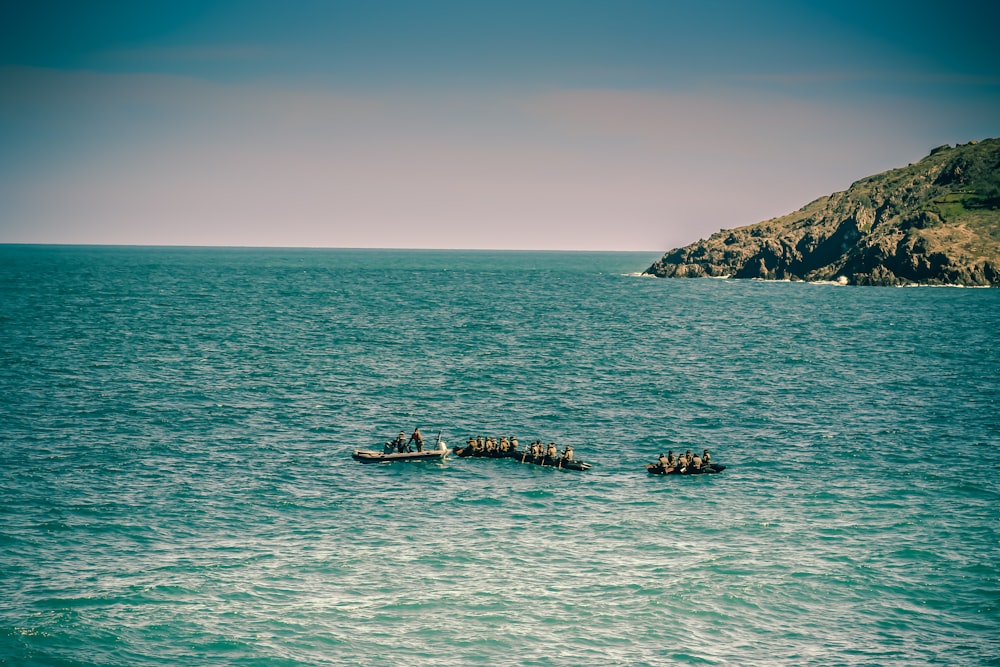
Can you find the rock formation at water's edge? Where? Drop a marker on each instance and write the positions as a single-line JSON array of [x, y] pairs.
[[934, 222]]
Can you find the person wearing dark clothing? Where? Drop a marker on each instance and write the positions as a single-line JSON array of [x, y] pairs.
[[417, 438]]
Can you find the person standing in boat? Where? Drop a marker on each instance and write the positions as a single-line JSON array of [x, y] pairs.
[[417, 438]]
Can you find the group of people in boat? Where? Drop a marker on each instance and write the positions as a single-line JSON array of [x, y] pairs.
[[401, 444], [539, 450], [686, 462], [508, 446], [490, 446]]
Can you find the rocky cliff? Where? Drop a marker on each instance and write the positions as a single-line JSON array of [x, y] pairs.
[[934, 222]]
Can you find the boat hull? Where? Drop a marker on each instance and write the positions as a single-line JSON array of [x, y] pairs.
[[525, 457], [468, 452], [656, 469], [560, 463], [371, 456]]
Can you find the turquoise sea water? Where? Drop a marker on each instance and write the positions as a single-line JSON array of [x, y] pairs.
[[176, 485]]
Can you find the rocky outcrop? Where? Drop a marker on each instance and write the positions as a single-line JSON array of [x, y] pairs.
[[935, 222]]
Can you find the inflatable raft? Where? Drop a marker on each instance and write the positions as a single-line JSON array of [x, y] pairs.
[[657, 469], [439, 453], [524, 457]]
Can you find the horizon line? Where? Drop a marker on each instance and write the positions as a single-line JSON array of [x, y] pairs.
[[300, 247]]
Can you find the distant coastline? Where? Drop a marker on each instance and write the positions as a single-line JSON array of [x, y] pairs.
[[935, 222]]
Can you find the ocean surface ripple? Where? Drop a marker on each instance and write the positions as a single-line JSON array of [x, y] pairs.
[[176, 485]]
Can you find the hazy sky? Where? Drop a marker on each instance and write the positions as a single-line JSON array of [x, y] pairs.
[[563, 124]]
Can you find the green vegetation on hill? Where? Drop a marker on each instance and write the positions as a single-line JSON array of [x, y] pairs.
[[934, 222]]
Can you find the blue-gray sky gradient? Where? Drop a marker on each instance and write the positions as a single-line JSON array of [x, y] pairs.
[[571, 124]]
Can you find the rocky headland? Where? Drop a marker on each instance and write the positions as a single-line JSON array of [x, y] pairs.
[[934, 222]]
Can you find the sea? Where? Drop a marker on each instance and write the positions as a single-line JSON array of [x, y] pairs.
[[177, 486]]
